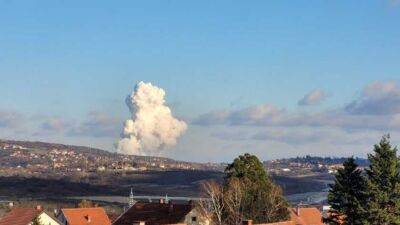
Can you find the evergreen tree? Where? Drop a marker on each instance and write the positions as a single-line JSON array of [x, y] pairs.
[[348, 196], [262, 199], [249, 167], [384, 184]]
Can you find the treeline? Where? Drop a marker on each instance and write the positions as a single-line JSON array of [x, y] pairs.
[[325, 160], [369, 197]]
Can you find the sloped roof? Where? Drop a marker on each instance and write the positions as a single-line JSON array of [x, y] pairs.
[[307, 216], [86, 216], [113, 216], [154, 213], [19, 216]]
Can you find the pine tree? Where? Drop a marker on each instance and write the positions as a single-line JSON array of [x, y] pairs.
[[348, 196], [384, 184]]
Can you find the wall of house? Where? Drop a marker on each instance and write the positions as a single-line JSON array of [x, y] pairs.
[[194, 218], [47, 220]]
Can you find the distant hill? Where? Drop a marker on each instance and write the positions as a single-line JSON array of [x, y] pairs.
[[50, 146], [321, 160], [94, 157], [39, 169]]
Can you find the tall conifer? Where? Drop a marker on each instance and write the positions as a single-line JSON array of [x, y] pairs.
[[384, 184], [348, 196]]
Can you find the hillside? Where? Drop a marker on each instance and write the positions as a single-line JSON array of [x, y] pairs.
[[60, 157], [39, 169]]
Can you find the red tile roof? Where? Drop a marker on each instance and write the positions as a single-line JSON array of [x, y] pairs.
[[154, 213], [306, 216], [19, 216], [86, 216]]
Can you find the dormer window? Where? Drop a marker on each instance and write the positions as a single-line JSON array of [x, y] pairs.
[[87, 217]]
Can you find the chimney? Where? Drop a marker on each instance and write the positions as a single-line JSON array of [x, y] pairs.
[[298, 209], [162, 201], [55, 212], [247, 222], [39, 208]]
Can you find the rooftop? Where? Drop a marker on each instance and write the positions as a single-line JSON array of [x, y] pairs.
[[86, 216], [306, 216], [154, 213], [20, 216]]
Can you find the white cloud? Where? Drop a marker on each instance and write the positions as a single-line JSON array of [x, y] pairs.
[[354, 127], [10, 119], [289, 136], [377, 98], [223, 143], [265, 113], [55, 124], [212, 118], [254, 115], [96, 125], [314, 97], [394, 3]]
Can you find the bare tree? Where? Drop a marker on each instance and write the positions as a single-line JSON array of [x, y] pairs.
[[212, 206], [233, 198], [86, 204], [274, 203]]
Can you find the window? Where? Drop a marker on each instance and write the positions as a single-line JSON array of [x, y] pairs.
[[194, 219]]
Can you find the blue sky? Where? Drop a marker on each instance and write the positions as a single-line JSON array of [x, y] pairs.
[[73, 63]]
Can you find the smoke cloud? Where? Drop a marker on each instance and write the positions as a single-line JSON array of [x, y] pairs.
[[152, 126]]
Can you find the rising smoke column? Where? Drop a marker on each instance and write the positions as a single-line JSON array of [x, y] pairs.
[[152, 126]]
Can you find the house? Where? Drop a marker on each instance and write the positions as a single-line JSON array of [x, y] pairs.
[[161, 213], [83, 216], [25, 216]]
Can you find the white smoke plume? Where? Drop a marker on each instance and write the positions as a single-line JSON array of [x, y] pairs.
[[152, 126]]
